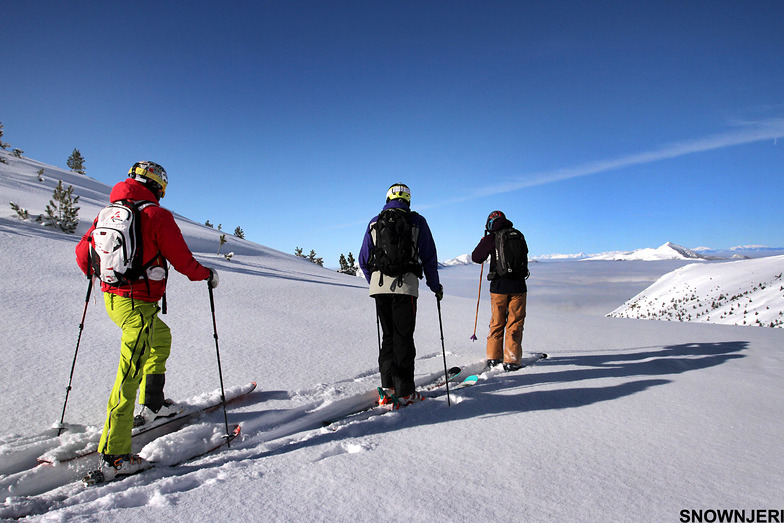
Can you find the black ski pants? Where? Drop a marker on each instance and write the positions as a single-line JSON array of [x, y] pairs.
[[397, 315]]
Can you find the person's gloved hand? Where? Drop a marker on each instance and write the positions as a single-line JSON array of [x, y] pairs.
[[440, 293], [212, 281]]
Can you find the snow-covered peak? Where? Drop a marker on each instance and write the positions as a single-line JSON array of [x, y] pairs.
[[463, 259], [668, 251]]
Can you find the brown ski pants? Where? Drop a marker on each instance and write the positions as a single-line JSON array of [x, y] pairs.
[[508, 313]]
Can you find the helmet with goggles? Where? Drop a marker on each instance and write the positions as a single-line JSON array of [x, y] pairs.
[[399, 191], [495, 215], [152, 175]]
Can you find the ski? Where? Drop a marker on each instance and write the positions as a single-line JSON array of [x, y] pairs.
[[452, 375], [214, 443], [534, 358], [433, 391], [378, 410], [141, 435], [499, 369]]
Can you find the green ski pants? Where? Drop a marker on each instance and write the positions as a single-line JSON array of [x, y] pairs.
[[146, 343]]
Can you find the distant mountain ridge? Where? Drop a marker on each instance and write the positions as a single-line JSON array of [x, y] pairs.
[[668, 251]]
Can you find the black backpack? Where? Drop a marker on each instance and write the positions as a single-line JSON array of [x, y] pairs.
[[511, 254], [395, 252]]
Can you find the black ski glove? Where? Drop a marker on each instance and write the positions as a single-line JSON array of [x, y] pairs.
[[440, 293]]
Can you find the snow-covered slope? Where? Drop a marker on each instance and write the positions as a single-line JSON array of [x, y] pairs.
[[626, 421], [747, 292], [20, 183]]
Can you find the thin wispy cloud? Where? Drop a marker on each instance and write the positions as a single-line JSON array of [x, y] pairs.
[[746, 132], [749, 132]]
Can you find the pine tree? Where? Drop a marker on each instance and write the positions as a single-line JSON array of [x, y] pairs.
[[61, 211], [3, 145], [208, 224], [76, 162], [17, 153], [239, 233], [347, 265], [20, 211], [352, 265], [310, 257]]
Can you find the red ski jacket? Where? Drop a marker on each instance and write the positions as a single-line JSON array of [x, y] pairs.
[[161, 239]]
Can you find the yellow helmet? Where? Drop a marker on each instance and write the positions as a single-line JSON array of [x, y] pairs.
[[399, 191], [150, 174]]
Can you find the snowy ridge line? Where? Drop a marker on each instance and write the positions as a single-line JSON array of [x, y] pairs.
[[746, 292], [667, 251]]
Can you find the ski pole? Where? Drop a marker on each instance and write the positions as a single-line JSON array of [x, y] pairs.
[[443, 351], [61, 427], [479, 295], [220, 372], [378, 328]]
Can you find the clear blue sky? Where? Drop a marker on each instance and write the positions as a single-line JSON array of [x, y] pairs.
[[594, 125]]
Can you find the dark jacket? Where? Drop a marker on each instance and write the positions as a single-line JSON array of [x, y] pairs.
[[426, 248], [514, 284]]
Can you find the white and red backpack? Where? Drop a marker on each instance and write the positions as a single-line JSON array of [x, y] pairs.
[[116, 254]]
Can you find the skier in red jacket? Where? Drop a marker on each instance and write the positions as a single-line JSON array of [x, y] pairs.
[[146, 340]]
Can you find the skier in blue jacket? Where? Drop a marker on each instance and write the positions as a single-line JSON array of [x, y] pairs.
[[396, 295]]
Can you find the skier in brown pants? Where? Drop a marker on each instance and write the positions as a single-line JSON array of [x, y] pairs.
[[508, 254]]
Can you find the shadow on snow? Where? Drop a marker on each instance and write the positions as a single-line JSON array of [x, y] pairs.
[[651, 366]]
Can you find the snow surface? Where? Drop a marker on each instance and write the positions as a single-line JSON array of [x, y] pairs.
[[749, 292], [626, 421]]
